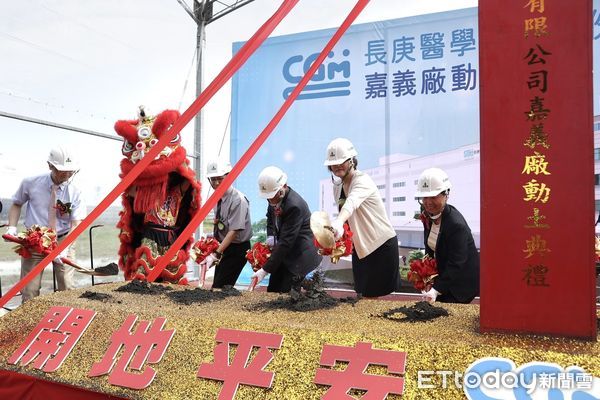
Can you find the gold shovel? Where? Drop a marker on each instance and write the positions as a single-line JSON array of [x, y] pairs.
[[320, 225]]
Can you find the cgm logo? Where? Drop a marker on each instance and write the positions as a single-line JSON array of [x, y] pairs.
[[331, 84]]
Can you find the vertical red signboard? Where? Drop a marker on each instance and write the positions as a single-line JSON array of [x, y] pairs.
[[537, 171]]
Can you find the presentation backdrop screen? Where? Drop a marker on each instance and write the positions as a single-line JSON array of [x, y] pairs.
[[404, 91]]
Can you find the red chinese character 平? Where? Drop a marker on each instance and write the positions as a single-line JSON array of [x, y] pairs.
[[241, 370], [53, 338], [354, 376], [150, 343]]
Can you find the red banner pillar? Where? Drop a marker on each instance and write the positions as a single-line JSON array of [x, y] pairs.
[[537, 168]]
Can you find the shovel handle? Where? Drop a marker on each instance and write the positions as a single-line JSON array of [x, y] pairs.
[[65, 260], [11, 238], [203, 270], [18, 240], [253, 284], [68, 261]]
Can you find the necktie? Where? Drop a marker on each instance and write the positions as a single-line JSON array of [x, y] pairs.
[[52, 209], [217, 220], [276, 216]]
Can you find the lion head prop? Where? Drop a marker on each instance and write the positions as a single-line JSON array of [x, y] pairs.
[[160, 202]]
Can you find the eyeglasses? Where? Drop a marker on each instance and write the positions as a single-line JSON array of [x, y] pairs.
[[339, 165], [63, 173], [216, 179], [421, 199]]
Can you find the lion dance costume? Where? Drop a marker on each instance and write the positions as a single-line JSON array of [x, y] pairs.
[[160, 202]]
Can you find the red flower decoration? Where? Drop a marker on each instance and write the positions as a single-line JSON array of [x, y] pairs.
[[202, 248], [342, 248], [258, 255], [63, 208], [37, 239], [422, 272]]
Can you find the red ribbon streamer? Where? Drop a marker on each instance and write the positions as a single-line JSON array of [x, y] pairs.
[[232, 66], [258, 142]]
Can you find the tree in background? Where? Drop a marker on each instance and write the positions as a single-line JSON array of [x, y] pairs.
[[259, 229]]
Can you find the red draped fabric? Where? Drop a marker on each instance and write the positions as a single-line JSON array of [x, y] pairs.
[[14, 385]]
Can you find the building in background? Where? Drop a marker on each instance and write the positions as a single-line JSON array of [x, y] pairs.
[[399, 89], [462, 165]]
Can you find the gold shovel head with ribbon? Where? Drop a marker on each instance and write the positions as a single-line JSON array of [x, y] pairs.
[[320, 225]]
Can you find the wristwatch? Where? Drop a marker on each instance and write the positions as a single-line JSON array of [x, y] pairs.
[[219, 254]]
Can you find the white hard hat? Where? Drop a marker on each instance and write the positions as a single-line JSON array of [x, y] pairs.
[[270, 181], [62, 159], [216, 168], [338, 151], [432, 182]]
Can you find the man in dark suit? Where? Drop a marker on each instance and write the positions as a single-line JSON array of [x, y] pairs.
[[293, 253]]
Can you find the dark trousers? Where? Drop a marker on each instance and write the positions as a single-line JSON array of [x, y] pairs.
[[449, 298], [282, 280], [230, 267], [378, 273]]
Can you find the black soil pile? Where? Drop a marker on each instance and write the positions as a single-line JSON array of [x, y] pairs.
[[143, 287], [198, 295], [96, 296], [108, 269], [351, 299], [418, 312], [306, 295]]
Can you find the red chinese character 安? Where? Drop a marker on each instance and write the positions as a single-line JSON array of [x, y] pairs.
[[354, 376], [53, 338]]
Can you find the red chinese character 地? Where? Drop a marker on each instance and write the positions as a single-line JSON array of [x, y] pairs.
[[354, 376], [150, 343], [53, 338], [241, 370]]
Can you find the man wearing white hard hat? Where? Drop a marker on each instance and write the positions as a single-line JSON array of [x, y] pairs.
[[293, 253], [232, 228], [53, 201], [448, 239], [375, 260]]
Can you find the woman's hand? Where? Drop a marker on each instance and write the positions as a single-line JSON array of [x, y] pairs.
[[430, 295], [338, 228]]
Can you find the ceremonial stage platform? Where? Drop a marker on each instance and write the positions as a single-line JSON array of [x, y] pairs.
[[294, 352]]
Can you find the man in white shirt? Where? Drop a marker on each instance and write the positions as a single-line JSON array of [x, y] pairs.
[[52, 201]]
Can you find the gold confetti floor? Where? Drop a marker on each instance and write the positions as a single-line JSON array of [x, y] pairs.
[[447, 343]]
